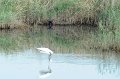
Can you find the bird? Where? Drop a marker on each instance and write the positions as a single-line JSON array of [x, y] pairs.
[[48, 72], [46, 51]]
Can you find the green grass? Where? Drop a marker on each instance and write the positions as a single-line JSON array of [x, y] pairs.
[[39, 10], [71, 11]]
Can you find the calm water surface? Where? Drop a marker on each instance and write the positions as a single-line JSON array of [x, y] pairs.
[[19, 58]]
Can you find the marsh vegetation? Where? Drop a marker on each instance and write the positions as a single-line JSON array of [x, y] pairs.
[[103, 14]]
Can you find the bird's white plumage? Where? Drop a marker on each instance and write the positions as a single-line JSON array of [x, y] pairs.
[[45, 50]]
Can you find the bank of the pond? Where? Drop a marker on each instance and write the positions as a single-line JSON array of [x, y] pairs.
[[13, 25], [92, 12]]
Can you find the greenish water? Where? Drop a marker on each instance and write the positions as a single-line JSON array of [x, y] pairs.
[[19, 58], [64, 38]]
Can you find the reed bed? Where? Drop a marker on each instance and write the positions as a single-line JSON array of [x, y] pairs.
[[90, 12]]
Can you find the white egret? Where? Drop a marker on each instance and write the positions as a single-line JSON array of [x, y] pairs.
[[48, 72], [46, 51]]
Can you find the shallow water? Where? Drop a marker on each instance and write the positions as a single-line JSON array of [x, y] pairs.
[[30, 65], [19, 58]]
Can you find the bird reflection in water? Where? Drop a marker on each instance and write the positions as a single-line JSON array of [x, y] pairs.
[[45, 73]]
